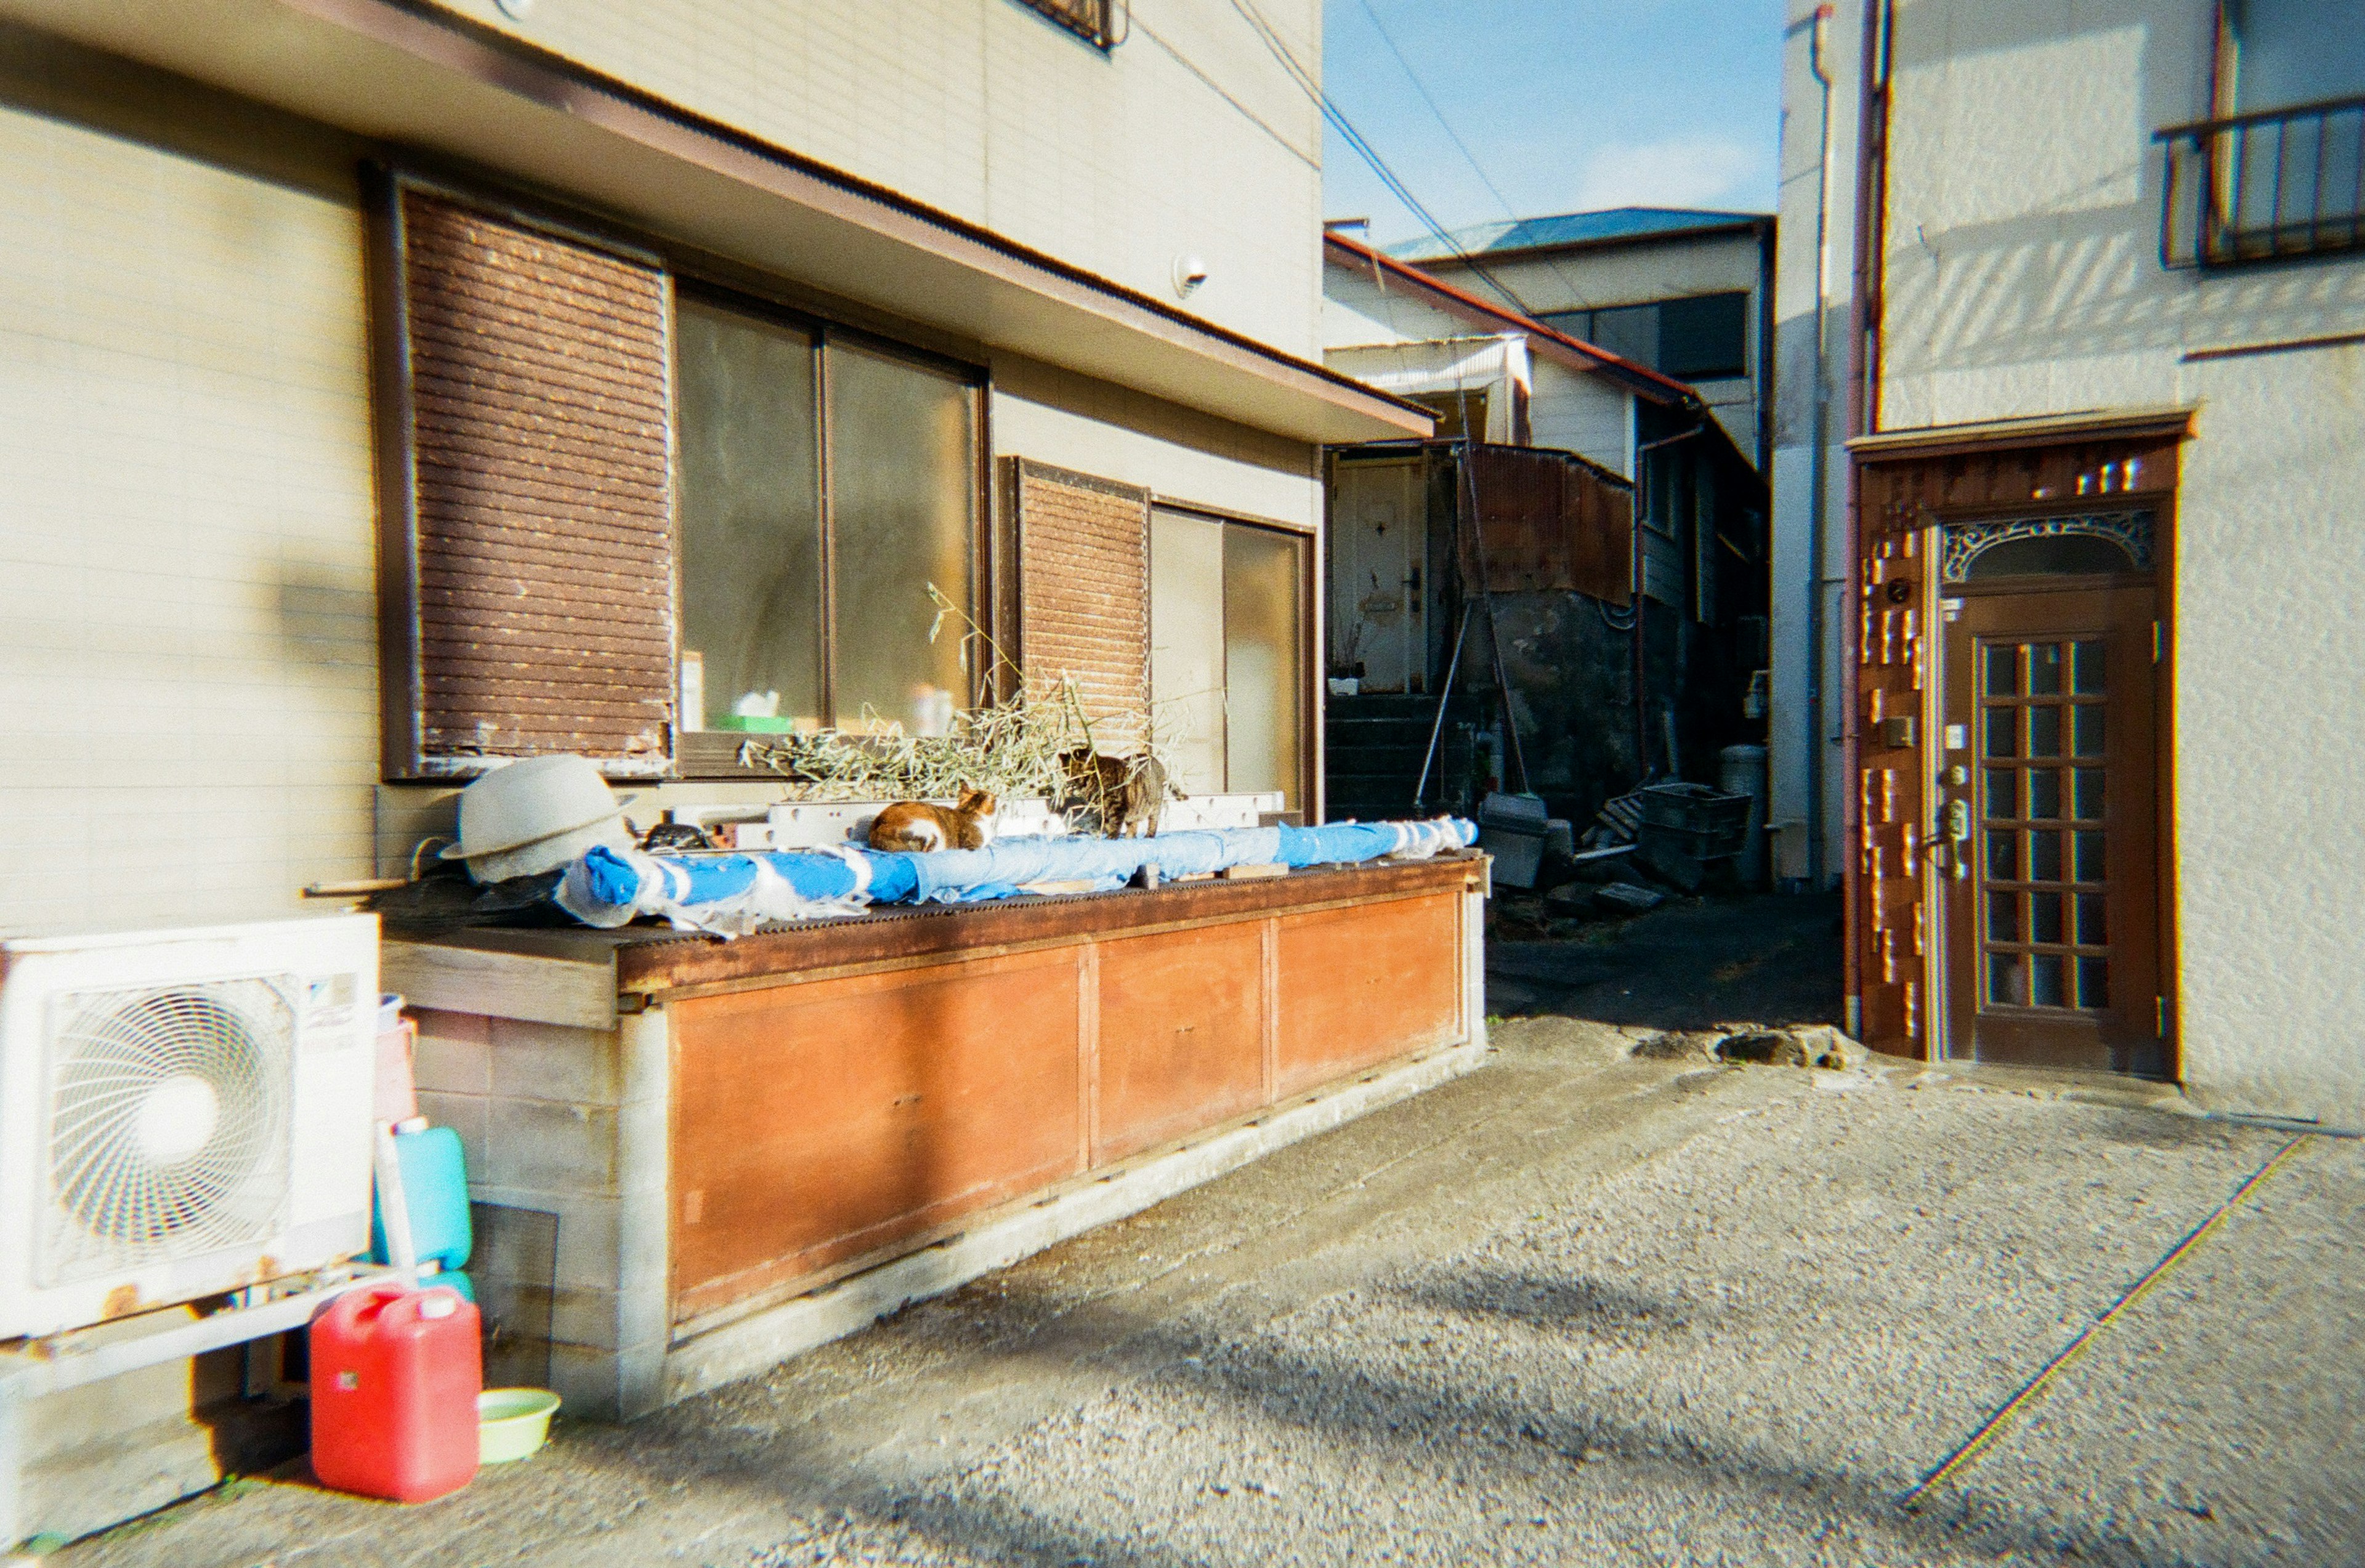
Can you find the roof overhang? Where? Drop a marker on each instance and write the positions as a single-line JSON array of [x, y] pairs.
[[419, 79], [2157, 423]]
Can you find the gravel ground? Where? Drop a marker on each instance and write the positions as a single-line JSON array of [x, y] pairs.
[[1576, 1307]]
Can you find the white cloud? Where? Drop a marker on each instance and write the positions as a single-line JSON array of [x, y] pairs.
[[1684, 171]]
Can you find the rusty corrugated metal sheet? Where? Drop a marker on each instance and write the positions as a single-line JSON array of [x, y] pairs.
[[540, 398], [1551, 523], [1083, 585]]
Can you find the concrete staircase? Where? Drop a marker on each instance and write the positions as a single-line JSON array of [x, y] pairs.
[[1372, 752]]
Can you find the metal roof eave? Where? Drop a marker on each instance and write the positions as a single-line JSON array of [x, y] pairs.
[[417, 78]]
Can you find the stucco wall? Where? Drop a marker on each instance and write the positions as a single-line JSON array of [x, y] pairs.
[[2023, 278], [1117, 163]]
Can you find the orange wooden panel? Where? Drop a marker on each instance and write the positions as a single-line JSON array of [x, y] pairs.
[[1182, 1041], [814, 1124], [1364, 985]]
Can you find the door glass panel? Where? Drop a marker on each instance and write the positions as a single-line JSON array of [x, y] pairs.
[[2003, 917], [2045, 980], [2089, 855], [2002, 737], [2093, 982], [2044, 669], [2092, 930], [2086, 668], [2044, 917], [2086, 730], [2007, 979], [2086, 792], [2003, 859], [2045, 732], [1186, 647], [1264, 683], [2044, 856], [2003, 792], [2003, 670], [2043, 793]]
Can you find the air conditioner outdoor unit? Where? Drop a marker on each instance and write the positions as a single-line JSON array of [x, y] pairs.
[[182, 1113]]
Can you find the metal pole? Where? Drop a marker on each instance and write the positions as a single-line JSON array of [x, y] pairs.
[[1818, 463], [1444, 696], [1467, 496]]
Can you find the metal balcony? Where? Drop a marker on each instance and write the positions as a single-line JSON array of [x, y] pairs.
[[2272, 185]]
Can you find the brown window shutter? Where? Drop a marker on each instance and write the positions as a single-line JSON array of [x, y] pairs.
[[1083, 585], [529, 586]]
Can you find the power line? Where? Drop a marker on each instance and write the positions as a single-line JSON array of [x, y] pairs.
[[1184, 60], [1311, 86]]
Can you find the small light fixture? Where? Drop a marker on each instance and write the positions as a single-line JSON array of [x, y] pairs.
[[1190, 273], [515, 10]]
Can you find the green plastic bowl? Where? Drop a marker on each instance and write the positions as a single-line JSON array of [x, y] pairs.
[[513, 1422]]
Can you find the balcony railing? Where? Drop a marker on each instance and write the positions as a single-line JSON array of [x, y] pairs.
[[2265, 187]]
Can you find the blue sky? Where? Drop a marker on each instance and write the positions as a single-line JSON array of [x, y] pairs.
[[1567, 105]]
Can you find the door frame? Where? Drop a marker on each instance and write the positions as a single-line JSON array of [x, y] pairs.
[[1909, 484]]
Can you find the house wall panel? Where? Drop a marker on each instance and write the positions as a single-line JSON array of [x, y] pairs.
[[2022, 277], [1119, 161], [187, 608], [1182, 1034], [1359, 986]]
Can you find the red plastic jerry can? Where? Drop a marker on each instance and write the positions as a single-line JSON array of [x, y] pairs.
[[395, 1378]]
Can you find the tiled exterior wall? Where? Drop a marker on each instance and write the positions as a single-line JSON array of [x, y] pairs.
[[187, 611], [1117, 163]]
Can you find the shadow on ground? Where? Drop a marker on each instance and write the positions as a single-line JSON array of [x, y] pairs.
[[1691, 963]]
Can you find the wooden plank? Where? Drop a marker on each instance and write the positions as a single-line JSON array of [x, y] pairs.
[[1362, 986], [823, 1122], [661, 962], [580, 991], [1182, 1033]]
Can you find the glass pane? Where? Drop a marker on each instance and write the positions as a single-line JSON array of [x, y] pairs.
[[2045, 980], [2088, 855], [2091, 931], [2086, 670], [2003, 670], [2045, 732], [2003, 792], [2003, 858], [2044, 917], [2052, 555], [750, 510], [2003, 739], [2008, 980], [2044, 856], [2003, 917], [2043, 793], [1186, 648], [903, 509], [1264, 682], [2044, 669], [2093, 982], [2086, 730], [2086, 794]]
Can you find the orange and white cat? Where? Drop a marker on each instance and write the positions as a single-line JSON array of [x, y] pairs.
[[916, 827]]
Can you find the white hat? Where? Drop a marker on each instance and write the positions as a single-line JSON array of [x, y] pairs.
[[536, 814]]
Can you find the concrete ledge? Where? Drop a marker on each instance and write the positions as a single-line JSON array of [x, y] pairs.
[[756, 1343]]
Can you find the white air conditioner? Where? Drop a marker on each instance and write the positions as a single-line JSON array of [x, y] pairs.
[[182, 1113]]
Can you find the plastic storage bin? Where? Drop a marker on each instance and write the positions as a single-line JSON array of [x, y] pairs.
[[395, 1378]]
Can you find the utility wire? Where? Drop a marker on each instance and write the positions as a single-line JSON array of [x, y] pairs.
[[1311, 86], [1310, 160]]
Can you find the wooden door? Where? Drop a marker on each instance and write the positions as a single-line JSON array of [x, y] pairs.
[[2047, 827]]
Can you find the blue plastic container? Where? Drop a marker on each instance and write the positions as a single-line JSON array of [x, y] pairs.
[[435, 1188]]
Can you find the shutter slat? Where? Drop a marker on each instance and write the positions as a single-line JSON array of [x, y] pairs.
[[1084, 585], [543, 570]]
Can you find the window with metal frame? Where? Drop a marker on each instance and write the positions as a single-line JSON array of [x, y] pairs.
[[1699, 337]]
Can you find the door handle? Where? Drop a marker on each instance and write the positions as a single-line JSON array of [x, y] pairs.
[[1958, 833]]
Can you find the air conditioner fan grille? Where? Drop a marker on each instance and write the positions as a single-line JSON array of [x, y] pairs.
[[168, 1124]]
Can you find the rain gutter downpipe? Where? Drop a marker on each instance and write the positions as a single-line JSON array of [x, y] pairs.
[[1818, 462]]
